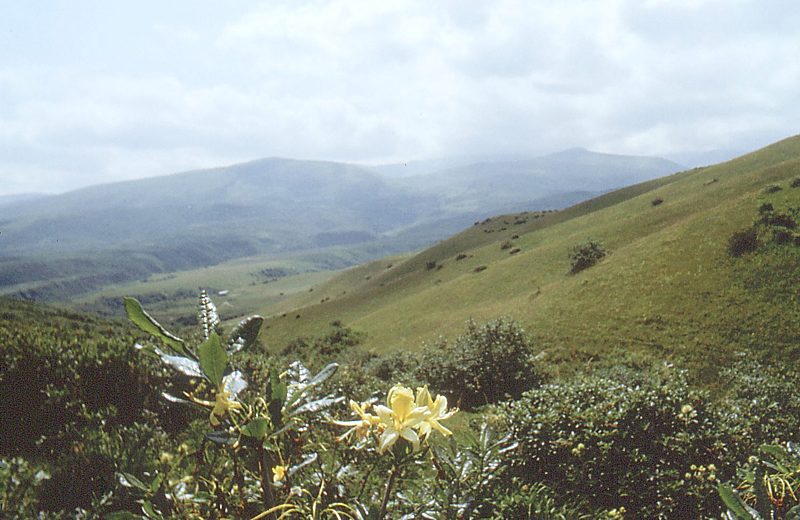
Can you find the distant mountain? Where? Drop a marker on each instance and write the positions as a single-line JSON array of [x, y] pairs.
[[425, 167], [507, 184], [20, 198], [698, 158], [79, 241]]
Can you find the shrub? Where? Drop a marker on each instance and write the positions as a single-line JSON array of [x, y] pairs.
[[485, 365], [742, 242], [795, 182], [651, 447], [585, 255], [656, 201], [767, 207], [772, 188], [506, 245]]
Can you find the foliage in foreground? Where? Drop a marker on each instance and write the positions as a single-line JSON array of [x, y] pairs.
[[614, 445]]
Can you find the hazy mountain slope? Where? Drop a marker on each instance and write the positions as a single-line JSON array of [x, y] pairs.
[[271, 199], [668, 289], [20, 198], [64, 245], [500, 184]]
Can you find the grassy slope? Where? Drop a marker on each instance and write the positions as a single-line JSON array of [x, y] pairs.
[[668, 288]]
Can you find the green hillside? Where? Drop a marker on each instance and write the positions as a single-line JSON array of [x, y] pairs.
[[668, 287], [58, 247]]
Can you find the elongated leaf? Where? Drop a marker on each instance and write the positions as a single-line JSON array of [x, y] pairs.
[[221, 437], [128, 480], [324, 374], [234, 383], [123, 515], [319, 404], [776, 451], [213, 359], [146, 323], [178, 400], [182, 364], [245, 333], [278, 388], [735, 504], [308, 459], [256, 428]]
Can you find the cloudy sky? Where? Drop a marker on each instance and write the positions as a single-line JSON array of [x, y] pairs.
[[98, 91]]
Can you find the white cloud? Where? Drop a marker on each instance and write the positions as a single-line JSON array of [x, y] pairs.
[[356, 80]]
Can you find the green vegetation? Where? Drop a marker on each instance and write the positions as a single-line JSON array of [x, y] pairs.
[[659, 383], [670, 290], [585, 255]]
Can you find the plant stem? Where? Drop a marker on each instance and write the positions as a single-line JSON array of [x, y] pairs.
[[265, 466], [389, 485]]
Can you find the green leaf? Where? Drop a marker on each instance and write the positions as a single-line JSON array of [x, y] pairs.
[[256, 428], [213, 359], [123, 515], [793, 514], [128, 480], [155, 484], [278, 393], [279, 389], [735, 504], [776, 451], [324, 374], [150, 511], [221, 437], [146, 323]]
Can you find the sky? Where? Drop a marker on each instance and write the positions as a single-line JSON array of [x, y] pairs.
[[101, 91]]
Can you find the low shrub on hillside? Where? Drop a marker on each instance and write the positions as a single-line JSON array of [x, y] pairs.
[[585, 255], [656, 201], [653, 448], [795, 182], [743, 242], [772, 188], [487, 364]]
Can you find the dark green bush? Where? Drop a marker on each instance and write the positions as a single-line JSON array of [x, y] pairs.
[[585, 255], [795, 182], [656, 201], [742, 242], [487, 364], [652, 447]]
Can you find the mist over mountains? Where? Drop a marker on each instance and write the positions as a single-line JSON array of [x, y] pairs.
[[54, 245]]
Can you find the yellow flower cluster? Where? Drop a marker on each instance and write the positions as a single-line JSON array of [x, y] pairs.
[[406, 416]]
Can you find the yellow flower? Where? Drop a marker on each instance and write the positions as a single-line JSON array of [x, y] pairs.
[[437, 409], [222, 404], [224, 397], [360, 427], [400, 418], [278, 472]]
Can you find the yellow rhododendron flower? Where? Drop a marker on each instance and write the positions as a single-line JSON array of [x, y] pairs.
[[360, 427], [438, 412], [224, 398], [278, 473], [222, 404], [400, 418]]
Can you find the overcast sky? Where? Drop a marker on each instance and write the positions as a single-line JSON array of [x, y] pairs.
[[98, 91]]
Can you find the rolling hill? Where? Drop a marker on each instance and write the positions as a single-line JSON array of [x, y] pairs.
[[667, 290], [57, 247]]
